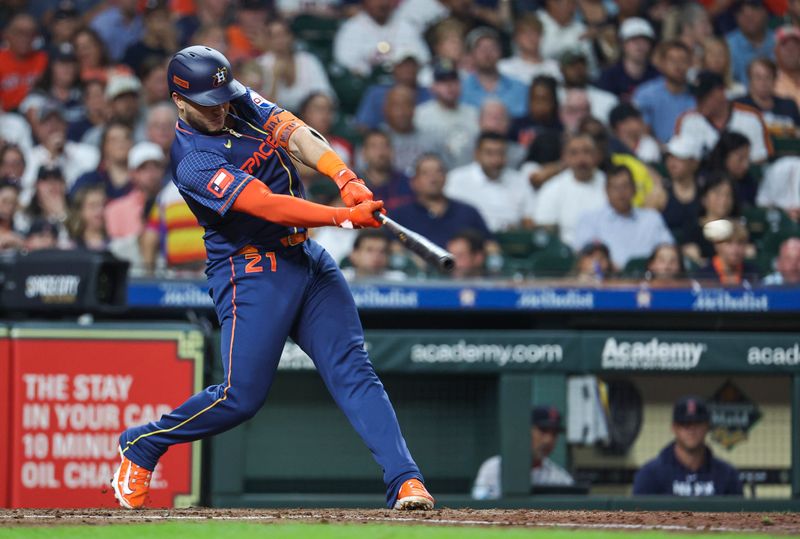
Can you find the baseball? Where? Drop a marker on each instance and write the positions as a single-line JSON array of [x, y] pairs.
[[718, 230]]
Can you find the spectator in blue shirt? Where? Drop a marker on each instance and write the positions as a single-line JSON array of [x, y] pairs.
[[752, 38], [664, 99], [432, 214], [119, 26], [483, 43], [687, 467], [634, 68]]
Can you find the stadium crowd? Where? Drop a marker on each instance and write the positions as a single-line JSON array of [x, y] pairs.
[[596, 139]]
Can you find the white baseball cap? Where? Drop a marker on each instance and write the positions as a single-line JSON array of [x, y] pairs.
[[684, 147], [122, 84], [143, 152], [636, 27]]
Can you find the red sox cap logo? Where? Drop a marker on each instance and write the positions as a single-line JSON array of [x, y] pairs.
[[220, 77]]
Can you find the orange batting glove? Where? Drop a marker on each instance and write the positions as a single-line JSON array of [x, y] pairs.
[[360, 215], [352, 188]]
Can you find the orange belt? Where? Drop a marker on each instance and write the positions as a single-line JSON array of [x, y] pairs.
[[287, 241]]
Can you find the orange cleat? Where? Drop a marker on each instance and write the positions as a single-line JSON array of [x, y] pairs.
[[131, 484], [413, 496]]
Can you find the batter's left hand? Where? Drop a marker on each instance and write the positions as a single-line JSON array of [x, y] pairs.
[[353, 191]]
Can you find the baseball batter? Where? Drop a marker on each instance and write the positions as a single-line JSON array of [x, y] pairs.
[[231, 161]]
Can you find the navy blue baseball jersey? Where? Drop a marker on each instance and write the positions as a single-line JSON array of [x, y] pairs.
[[666, 475], [211, 170]]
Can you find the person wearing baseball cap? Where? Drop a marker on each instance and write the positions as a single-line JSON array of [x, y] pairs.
[[546, 426], [687, 467], [634, 68], [787, 57], [683, 198]]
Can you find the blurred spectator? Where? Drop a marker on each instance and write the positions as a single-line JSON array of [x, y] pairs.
[[787, 57], [194, 28], [159, 38], [579, 188], [728, 265], [718, 202], [73, 158], [665, 265], [447, 43], [94, 111], [694, 28], [468, 248], [172, 238], [122, 95], [527, 63], [318, 111], [112, 171], [12, 163], [687, 467], [731, 156], [483, 44], [405, 67], [370, 258], [575, 72], [160, 125], [49, 202], [682, 204], [42, 234], [781, 115], [493, 118], [422, 14], [715, 113], [664, 99], [379, 173], [125, 215], [717, 59], [445, 118], [59, 83], [289, 9], [65, 22], [545, 429], [20, 65], [561, 30], [542, 117], [10, 238], [92, 54], [634, 68], [153, 73], [575, 108], [248, 36], [593, 263], [85, 223], [290, 75], [407, 141], [365, 39], [502, 196], [119, 26], [752, 38], [15, 129], [432, 213], [627, 231], [630, 134], [780, 187], [787, 265]]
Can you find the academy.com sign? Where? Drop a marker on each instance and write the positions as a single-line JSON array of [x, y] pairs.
[[768, 355], [652, 355], [497, 354]]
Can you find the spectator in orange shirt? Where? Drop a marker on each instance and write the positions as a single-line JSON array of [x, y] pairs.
[[247, 37], [20, 65]]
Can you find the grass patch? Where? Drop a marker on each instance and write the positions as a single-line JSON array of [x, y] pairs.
[[245, 530]]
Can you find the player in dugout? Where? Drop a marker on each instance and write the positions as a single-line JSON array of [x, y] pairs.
[[232, 163], [687, 467]]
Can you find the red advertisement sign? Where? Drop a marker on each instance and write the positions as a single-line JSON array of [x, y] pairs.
[[5, 416], [72, 397]]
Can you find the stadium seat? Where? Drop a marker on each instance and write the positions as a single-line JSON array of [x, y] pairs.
[[556, 260], [635, 267], [315, 35]]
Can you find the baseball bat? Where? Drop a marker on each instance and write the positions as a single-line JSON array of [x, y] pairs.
[[416, 243]]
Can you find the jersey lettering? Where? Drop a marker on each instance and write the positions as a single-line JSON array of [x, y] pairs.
[[220, 182], [255, 160]]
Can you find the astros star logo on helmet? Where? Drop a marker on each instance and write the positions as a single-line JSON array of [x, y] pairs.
[[220, 77]]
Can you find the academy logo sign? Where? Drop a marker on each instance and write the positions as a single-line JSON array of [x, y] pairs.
[[777, 356], [652, 355]]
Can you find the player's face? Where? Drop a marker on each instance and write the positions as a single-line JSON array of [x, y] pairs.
[[543, 441], [690, 437], [207, 119]]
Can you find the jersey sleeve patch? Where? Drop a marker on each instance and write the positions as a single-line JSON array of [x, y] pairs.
[[220, 182]]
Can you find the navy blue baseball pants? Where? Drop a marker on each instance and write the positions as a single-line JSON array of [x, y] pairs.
[[261, 298]]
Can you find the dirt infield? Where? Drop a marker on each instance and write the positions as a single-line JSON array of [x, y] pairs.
[[772, 523]]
